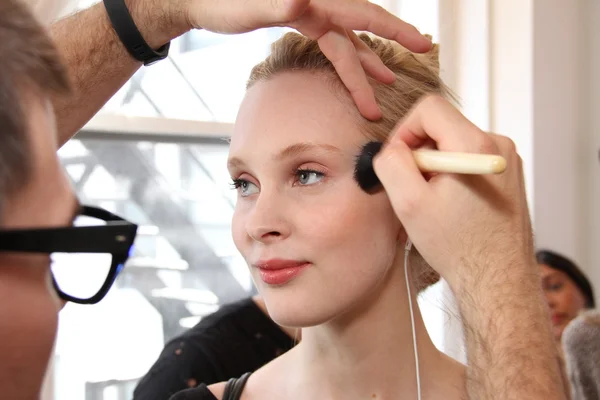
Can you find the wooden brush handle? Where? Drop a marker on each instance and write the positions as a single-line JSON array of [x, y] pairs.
[[459, 163]]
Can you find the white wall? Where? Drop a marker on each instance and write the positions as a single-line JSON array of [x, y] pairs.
[[560, 126], [511, 53], [592, 183], [530, 69], [567, 130]]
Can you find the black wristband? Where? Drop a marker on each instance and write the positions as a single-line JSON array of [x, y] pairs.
[[130, 36]]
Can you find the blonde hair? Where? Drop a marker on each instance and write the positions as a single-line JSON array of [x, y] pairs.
[[416, 76]]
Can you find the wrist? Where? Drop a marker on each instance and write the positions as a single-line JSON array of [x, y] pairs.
[[159, 21]]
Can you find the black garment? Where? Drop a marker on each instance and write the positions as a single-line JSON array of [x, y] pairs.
[[233, 391], [238, 338]]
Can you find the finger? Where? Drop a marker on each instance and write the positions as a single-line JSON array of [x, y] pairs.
[[340, 50], [504, 144], [366, 16], [256, 14], [405, 185], [371, 63], [289, 10], [434, 118]]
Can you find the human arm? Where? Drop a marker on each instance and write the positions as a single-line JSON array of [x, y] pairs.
[[99, 65], [476, 232]]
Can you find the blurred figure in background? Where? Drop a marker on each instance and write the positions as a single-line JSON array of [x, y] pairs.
[[570, 297], [568, 291]]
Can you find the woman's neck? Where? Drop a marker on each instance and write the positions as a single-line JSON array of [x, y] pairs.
[[367, 353]]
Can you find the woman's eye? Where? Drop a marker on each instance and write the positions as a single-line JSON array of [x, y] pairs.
[[309, 177], [554, 286], [244, 187]]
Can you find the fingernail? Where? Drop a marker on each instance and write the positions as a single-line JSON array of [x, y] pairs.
[[392, 74], [378, 113]]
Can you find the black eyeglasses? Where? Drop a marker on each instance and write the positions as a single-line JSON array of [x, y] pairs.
[[86, 258]]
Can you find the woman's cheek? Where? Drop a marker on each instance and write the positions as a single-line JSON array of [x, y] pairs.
[[238, 231]]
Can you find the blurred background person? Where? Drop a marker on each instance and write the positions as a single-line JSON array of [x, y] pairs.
[[568, 291], [570, 297]]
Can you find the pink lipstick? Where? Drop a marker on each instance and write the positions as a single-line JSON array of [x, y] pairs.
[[279, 272]]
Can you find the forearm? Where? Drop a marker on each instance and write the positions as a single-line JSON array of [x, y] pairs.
[[98, 64], [510, 349]]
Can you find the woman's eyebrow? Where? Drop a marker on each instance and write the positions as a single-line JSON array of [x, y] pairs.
[[305, 147], [291, 151]]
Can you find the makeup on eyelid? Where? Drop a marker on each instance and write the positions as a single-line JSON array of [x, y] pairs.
[[307, 174]]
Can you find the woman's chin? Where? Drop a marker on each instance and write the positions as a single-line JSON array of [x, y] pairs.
[[295, 312]]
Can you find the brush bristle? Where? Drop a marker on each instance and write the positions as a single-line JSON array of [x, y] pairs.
[[363, 170]]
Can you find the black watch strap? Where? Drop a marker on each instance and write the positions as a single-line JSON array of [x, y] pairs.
[[130, 36]]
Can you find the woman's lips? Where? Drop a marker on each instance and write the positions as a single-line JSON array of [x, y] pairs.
[[557, 319], [279, 272]]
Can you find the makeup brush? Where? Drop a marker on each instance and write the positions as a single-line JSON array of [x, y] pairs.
[[428, 161]]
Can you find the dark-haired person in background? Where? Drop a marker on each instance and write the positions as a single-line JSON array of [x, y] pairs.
[[576, 325], [567, 289]]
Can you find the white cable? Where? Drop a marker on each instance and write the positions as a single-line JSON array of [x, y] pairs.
[[412, 316]]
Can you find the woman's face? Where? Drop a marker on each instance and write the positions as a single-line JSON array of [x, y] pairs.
[[563, 296], [315, 243]]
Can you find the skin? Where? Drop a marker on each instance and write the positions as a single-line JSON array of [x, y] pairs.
[[28, 303], [564, 298], [99, 65], [354, 287], [291, 332]]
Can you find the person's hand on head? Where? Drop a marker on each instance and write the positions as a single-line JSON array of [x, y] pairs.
[[459, 223], [331, 22]]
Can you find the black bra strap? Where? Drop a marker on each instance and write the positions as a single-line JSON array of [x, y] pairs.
[[235, 386]]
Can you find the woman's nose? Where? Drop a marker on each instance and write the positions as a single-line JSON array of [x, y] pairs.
[[268, 221]]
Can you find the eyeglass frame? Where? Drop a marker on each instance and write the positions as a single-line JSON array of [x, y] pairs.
[[115, 238]]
